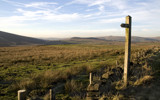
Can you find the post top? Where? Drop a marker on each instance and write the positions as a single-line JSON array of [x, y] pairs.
[[22, 91], [128, 16]]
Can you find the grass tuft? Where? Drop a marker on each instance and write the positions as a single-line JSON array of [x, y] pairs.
[[143, 80]]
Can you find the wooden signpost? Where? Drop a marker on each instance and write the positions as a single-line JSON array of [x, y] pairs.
[[127, 26]]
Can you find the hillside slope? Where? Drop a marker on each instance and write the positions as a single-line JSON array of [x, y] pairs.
[[8, 39]]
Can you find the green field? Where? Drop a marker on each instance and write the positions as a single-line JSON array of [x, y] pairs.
[[66, 68]]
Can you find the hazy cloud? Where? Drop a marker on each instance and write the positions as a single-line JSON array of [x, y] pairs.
[[40, 4], [113, 20]]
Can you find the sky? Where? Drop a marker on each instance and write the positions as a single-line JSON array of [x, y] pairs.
[[79, 18]]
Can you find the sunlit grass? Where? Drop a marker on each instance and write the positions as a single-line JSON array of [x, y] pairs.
[[39, 68]]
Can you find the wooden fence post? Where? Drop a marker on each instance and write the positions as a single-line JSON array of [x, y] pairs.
[[22, 95], [117, 63], [90, 78], [127, 25], [51, 94]]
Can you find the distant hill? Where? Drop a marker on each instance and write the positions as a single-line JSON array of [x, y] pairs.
[[88, 40], [113, 38], [157, 38], [133, 39], [52, 39], [9, 39]]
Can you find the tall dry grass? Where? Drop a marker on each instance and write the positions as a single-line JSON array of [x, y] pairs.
[[50, 78], [46, 55], [41, 81]]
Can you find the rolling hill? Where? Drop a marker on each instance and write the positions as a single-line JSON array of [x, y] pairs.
[[9, 39], [157, 38], [112, 39], [134, 39]]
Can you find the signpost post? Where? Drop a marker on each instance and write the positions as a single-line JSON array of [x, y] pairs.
[[127, 26]]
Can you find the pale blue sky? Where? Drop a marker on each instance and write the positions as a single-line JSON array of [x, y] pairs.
[[84, 18]]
